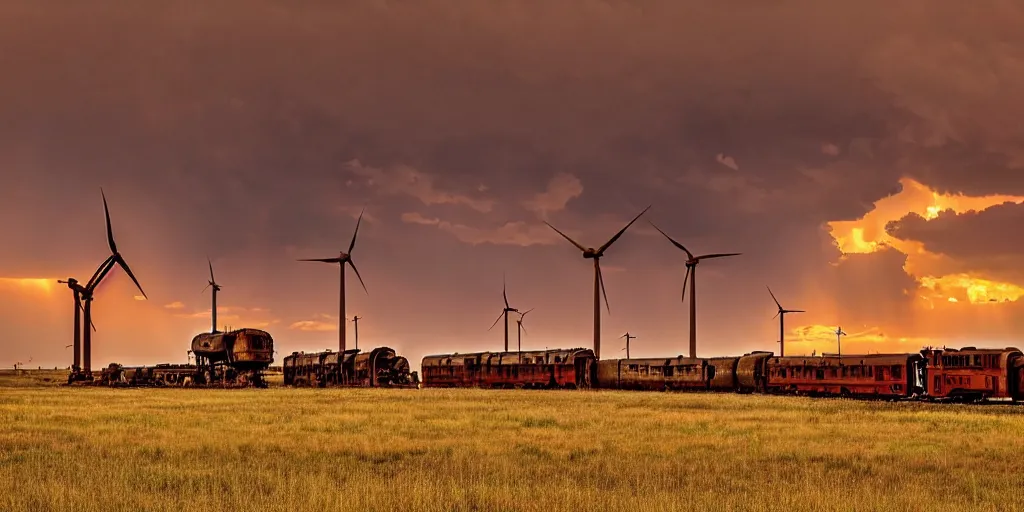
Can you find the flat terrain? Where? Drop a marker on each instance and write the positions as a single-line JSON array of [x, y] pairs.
[[421, 450]]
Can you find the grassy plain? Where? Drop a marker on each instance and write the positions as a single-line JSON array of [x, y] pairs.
[[424, 450]]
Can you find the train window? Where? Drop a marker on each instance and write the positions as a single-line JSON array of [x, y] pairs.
[[643, 370], [558, 359], [945, 360], [819, 374], [634, 368], [897, 372], [668, 371], [977, 360], [870, 372]]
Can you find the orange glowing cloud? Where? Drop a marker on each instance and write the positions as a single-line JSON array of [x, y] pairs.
[[868, 234]]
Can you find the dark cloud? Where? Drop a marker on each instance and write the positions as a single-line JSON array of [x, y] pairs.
[[980, 240], [254, 131]]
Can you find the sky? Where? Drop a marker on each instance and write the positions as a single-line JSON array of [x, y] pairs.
[[866, 157]]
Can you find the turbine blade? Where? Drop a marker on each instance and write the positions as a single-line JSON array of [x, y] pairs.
[[352, 245], [675, 243], [128, 270], [795, 311], [212, 280], [503, 293], [324, 260], [600, 278], [521, 315], [623, 336], [523, 328], [350, 262], [709, 256], [565, 236], [204, 289], [685, 280], [777, 314], [773, 297], [621, 231], [110, 232], [496, 321]]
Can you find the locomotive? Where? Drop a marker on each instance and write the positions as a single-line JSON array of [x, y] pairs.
[[967, 374], [380, 367], [223, 359]]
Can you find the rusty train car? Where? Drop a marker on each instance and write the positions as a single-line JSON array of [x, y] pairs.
[[380, 367], [967, 374], [539, 369], [236, 358]]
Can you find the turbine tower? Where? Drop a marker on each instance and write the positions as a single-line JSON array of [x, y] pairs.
[[519, 333], [215, 288], [355, 321], [782, 318], [341, 260], [596, 254], [504, 312], [628, 337], [84, 298], [77, 290], [691, 277], [839, 340]]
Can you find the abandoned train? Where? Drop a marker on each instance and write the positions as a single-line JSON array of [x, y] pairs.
[[380, 367], [967, 374], [237, 358]]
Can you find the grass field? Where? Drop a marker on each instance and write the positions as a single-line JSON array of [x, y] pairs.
[[419, 450]]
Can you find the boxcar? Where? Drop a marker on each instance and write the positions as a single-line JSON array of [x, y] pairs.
[[556, 368], [751, 372], [680, 373], [722, 373], [973, 374], [876, 375]]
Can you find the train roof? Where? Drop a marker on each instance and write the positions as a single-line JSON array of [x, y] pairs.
[[973, 350], [660, 361], [848, 360], [457, 359]]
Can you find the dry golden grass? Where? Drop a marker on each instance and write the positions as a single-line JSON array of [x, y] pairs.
[[315, 450]]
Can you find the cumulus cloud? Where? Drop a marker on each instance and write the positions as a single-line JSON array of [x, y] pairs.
[[175, 305], [403, 179], [510, 233], [562, 188], [970, 235], [313, 326], [727, 161]]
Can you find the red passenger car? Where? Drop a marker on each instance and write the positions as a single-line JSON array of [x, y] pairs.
[[876, 375], [534, 369], [973, 374]]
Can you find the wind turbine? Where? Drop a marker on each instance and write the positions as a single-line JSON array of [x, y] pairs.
[[839, 340], [504, 312], [77, 290], [342, 259], [215, 288], [84, 294], [628, 337], [691, 276], [596, 254], [519, 333], [782, 318], [355, 321]]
